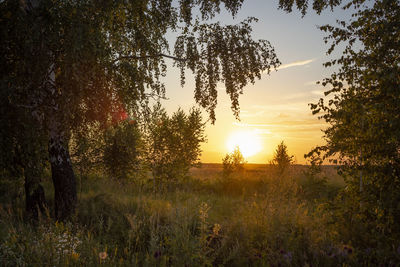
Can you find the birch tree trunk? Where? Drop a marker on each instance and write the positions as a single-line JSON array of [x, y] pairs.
[[65, 196]]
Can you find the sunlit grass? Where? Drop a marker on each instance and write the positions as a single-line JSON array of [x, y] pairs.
[[252, 219]]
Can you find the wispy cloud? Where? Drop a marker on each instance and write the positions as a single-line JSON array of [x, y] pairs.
[[256, 128], [317, 92], [296, 106], [241, 124], [262, 131], [284, 125], [295, 96], [314, 83], [283, 115], [247, 114], [296, 63]]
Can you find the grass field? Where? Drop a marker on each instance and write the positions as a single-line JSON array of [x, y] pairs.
[[252, 218]]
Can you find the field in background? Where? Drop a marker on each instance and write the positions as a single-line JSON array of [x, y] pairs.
[[213, 170]]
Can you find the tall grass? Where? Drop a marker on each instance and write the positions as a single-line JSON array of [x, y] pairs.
[[251, 219]]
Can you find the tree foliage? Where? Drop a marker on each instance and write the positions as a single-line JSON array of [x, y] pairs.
[[303, 5], [122, 149], [106, 52], [87, 147], [227, 54], [363, 113]]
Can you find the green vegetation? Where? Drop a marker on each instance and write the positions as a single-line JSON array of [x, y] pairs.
[[362, 110], [122, 148], [76, 82], [197, 223], [173, 144]]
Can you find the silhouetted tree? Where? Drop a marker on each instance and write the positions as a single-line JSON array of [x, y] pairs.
[[282, 160], [233, 163]]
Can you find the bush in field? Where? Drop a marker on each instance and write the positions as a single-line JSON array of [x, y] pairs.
[[233, 163], [122, 149], [173, 143], [282, 160]]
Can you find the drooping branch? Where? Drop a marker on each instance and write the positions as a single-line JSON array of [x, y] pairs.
[[226, 54]]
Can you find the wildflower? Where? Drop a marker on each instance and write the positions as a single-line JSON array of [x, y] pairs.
[[216, 229], [74, 255], [203, 211], [103, 255]]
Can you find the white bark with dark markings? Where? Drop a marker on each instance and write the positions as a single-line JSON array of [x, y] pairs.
[[63, 177]]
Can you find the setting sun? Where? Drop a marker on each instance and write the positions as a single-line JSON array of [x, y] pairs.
[[248, 142]]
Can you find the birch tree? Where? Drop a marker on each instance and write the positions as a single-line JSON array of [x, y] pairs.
[[69, 63]]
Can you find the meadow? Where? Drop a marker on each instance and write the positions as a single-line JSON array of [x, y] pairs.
[[250, 218], [95, 170]]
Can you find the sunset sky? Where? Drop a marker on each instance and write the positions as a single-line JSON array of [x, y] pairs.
[[276, 107]]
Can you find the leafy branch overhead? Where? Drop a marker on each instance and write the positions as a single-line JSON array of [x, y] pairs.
[[303, 5], [227, 54]]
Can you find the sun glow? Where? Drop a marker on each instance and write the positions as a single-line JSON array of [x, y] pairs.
[[248, 142]]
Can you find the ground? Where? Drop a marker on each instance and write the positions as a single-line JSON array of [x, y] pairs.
[[250, 218]]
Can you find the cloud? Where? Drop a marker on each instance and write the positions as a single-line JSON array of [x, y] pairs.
[[314, 83], [317, 92], [295, 96], [262, 131], [248, 114], [284, 107], [296, 63], [241, 124], [285, 126], [257, 127], [283, 115]]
